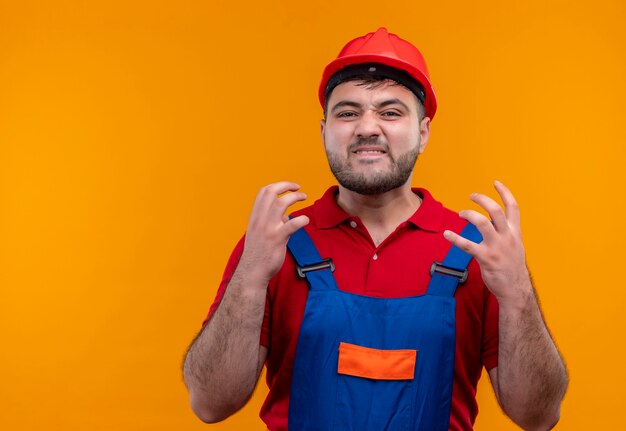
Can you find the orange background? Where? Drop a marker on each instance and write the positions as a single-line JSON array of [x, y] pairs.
[[134, 136]]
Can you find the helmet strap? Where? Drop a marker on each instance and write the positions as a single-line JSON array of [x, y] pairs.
[[376, 70]]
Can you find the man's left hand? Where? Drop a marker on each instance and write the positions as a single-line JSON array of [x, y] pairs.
[[501, 253]]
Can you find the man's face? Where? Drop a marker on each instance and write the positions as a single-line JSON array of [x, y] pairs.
[[373, 136]]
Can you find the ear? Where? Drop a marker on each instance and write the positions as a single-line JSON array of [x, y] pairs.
[[424, 133], [323, 130]]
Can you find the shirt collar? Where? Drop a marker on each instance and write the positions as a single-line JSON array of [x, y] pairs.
[[429, 216], [328, 214]]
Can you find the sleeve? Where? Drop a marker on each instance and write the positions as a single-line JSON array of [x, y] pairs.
[[490, 331], [231, 266]]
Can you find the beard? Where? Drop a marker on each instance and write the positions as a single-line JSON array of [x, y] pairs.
[[377, 182]]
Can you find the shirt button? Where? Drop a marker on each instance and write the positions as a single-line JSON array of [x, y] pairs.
[[353, 223], [375, 257]]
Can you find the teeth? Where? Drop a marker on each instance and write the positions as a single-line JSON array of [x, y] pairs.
[[370, 152]]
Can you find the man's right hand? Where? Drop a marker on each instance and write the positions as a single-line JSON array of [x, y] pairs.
[[269, 229], [225, 360]]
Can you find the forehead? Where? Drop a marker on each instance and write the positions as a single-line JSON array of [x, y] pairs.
[[365, 93]]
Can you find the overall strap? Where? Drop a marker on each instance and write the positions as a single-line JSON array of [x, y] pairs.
[[448, 274], [310, 265]]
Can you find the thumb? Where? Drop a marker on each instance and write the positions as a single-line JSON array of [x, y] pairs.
[[296, 223]]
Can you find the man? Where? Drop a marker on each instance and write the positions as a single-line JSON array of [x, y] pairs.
[[373, 320]]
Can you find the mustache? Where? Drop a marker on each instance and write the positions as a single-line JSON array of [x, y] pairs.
[[368, 142]]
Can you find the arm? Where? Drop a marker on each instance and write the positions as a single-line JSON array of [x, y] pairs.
[[530, 379], [223, 363]]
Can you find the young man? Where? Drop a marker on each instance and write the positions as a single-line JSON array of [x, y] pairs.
[[387, 305]]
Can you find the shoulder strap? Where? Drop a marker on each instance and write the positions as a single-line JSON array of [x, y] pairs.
[[310, 265], [447, 275]]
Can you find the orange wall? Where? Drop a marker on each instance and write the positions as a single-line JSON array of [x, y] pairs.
[[134, 135]]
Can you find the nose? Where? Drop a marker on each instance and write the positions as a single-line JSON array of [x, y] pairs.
[[368, 125]]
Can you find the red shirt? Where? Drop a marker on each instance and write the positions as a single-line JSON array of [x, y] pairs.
[[398, 267]]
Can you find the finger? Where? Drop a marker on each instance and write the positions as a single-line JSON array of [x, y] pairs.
[[482, 223], [294, 224], [464, 244], [268, 194], [283, 187], [510, 204], [493, 209], [285, 201]]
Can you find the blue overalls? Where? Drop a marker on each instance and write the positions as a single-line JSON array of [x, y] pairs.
[[365, 363]]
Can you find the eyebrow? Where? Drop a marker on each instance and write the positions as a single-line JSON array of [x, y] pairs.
[[345, 103], [384, 103], [394, 101]]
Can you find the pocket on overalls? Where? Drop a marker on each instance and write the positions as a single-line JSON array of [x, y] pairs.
[[375, 388]]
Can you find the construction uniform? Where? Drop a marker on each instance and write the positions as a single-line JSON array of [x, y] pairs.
[[380, 377]]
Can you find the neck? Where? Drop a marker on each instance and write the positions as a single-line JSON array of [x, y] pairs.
[[381, 214]]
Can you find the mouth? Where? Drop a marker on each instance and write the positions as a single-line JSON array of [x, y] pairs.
[[369, 151]]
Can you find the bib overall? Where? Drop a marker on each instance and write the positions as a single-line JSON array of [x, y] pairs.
[[365, 363]]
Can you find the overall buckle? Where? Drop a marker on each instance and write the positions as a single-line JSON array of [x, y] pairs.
[[324, 264], [438, 267]]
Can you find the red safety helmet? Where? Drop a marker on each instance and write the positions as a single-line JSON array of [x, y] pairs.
[[388, 49]]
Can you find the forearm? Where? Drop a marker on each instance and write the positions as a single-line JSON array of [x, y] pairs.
[[531, 376], [530, 379], [222, 365]]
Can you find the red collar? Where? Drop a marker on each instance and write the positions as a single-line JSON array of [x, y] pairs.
[[428, 216]]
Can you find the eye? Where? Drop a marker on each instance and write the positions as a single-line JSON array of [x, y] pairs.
[[391, 114], [346, 114]]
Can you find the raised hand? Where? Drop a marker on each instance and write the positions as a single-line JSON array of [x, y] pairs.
[[269, 229], [501, 254]]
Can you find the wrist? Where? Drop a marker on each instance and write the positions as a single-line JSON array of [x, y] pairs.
[[517, 298], [252, 271]]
